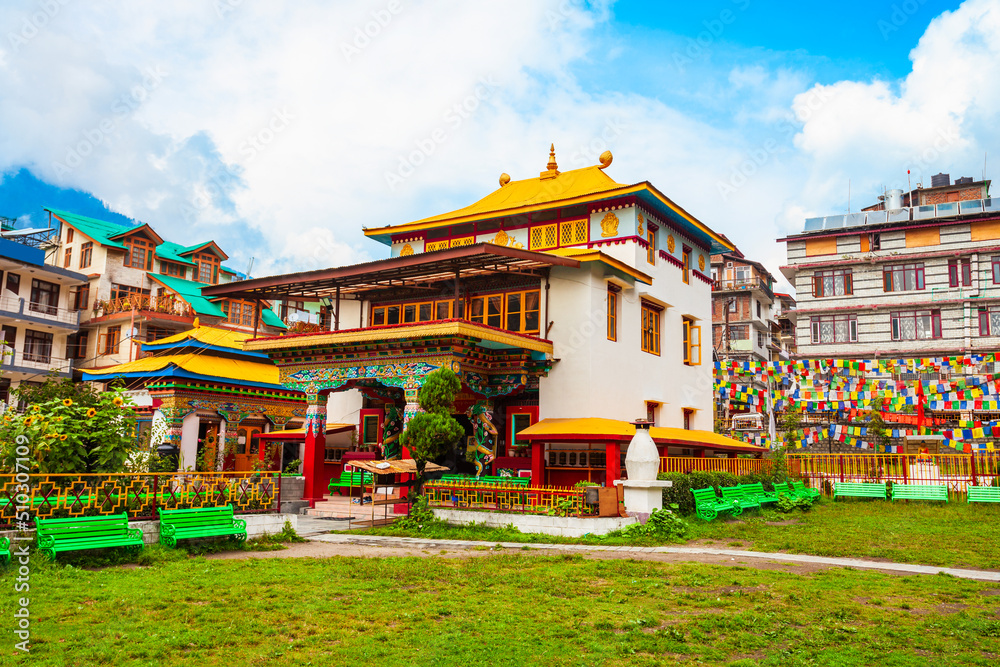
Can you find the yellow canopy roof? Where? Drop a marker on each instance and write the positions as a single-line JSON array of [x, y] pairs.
[[596, 428], [293, 433], [199, 364], [208, 336], [591, 255]]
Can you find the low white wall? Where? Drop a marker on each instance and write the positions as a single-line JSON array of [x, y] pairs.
[[538, 523]]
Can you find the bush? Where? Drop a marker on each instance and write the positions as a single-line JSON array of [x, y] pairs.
[[662, 523]]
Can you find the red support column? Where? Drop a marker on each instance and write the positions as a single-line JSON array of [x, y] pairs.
[[613, 463], [538, 463], [315, 449]]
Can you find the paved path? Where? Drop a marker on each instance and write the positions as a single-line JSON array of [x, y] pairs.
[[420, 543]]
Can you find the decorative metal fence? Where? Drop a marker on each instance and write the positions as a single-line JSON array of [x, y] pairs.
[[956, 471], [509, 498], [138, 494], [686, 464]]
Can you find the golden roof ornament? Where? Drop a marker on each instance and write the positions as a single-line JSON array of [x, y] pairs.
[[606, 158], [552, 169], [504, 179]]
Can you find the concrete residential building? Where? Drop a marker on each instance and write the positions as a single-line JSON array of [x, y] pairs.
[[743, 309], [898, 281], [38, 321]]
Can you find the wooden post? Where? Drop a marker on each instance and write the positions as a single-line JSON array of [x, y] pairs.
[[538, 463], [315, 448], [256, 319], [454, 305], [336, 311]]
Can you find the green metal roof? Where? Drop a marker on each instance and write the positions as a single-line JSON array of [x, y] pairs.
[[171, 252], [99, 230], [269, 318], [191, 292]]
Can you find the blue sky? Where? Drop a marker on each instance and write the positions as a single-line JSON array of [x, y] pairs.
[[281, 130]]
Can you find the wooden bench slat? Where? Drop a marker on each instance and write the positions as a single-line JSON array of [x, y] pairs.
[[82, 533], [983, 494], [199, 522]]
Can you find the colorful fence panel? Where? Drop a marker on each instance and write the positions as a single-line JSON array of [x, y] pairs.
[[686, 464], [138, 494], [956, 471], [508, 498]]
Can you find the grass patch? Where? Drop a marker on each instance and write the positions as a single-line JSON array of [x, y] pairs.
[[951, 535], [502, 609]]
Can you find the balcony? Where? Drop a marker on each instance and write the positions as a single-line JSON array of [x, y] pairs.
[[22, 309], [741, 285], [33, 362], [167, 304]]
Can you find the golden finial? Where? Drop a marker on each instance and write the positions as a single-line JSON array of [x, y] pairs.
[[504, 179], [606, 158], [552, 169]]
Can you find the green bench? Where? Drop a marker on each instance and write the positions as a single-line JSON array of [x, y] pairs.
[[199, 522], [920, 492], [800, 489], [487, 480], [5, 549], [984, 494], [738, 495], [859, 490], [91, 532], [350, 479], [756, 491], [707, 505]]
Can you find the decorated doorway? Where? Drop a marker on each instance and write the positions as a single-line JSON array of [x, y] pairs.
[[247, 447]]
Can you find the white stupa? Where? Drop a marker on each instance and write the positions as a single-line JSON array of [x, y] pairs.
[[643, 492]]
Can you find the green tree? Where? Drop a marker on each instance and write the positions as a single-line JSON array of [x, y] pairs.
[[430, 433], [70, 428]]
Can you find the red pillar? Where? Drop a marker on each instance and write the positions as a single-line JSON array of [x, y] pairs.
[[537, 463], [613, 465], [315, 450]]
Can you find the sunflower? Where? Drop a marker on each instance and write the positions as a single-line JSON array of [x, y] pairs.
[[36, 408], [117, 400], [68, 402], [63, 437], [91, 412], [28, 421]]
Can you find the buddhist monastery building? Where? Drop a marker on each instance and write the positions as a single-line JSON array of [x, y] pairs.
[[568, 304]]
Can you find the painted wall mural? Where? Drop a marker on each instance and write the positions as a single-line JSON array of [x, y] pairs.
[[484, 435]]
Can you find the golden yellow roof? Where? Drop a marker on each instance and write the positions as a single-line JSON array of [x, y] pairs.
[[295, 432], [596, 428], [521, 196], [239, 370], [591, 255], [208, 336]]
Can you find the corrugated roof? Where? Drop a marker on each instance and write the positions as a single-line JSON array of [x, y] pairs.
[[239, 370], [612, 429], [191, 292], [209, 336], [170, 252], [99, 230]]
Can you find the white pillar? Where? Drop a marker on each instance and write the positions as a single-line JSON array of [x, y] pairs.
[[189, 441]]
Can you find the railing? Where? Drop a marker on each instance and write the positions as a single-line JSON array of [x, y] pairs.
[[21, 307], [752, 283], [686, 464], [168, 304], [138, 494], [956, 471], [504, 498], [34, 360]]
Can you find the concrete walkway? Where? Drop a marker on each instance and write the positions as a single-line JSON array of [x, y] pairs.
[[900, 568]]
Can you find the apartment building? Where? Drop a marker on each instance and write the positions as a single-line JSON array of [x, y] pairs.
[[743, 309], [900, 281], [38, 323], [140, 288]]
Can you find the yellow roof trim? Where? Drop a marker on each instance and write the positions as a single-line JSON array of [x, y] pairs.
[[199, 364], [591, 255], [403, 332]]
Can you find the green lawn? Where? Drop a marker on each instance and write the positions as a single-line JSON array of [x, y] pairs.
[[500, 610], [953, 534]]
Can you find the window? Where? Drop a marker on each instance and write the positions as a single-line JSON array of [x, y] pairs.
[[468, 240], [518, 422], [156, 333], [241, 313], [686, 268], [207, 268], [8, 335], [13, 282], [369, 430], [651, 246], [86, 254], [688, 414], [522, 311], [37, 346], [760, 339], [574, 232], [732, 305], [834, 329], [612, 312], [68, 258], [959, 272], [431, 246], [139, 254], [838, 282], [916, 325], [739, 332], [81, 297], [758, 310], [44, 297], [989, 321], [69, 235], [876, 241], [650, 328], [902, 277], [692, 342], [110, 340], [487, 310], [742, 274], [995, 262], [76, 345], [543, 237], [173, 269]]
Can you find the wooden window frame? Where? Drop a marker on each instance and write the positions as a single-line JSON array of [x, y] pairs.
[[896, 327], [69, 234], [649, 338], [890, 271], [86, 254], [574, 232], [815, 329], [613, 291], [68, 258], [819, 278], [686, 265], [651, 246], [543, 233], [142, 247], [691, 341], [110, 341]]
